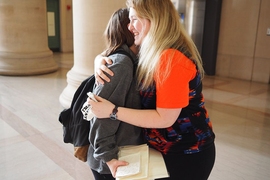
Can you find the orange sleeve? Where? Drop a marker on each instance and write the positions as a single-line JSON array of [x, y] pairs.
[[173, 91]]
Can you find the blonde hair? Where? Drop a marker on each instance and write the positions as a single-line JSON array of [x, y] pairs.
[[166, 31]]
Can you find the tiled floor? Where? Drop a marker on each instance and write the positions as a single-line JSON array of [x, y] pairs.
[[31, 145]]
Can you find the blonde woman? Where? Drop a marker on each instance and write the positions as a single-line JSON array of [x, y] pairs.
[[170, 73]]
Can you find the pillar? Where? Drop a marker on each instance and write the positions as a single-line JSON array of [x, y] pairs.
[[90, 18], [211, 35], [23, 38]]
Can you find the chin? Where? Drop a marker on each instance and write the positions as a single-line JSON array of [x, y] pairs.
[[137, 43]]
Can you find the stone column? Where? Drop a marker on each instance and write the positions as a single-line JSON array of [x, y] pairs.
[[23, 38], [90, 18]]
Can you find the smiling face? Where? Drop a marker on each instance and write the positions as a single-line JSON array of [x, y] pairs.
[[138, 26]]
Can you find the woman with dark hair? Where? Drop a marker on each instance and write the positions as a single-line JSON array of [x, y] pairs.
[[106, 136]]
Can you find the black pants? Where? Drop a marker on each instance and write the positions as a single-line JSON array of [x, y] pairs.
[[196, 166], [102, 176]]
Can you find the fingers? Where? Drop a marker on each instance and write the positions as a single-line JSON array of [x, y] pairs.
[[105, 69], [101, 76], [98, 79], [95, 98], [108, 60], [122, 163], [114, 164], [98, 98], [119, 163], [101, 70], [89, 100]]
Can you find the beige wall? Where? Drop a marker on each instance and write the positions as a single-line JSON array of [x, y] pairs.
[[244, 47]]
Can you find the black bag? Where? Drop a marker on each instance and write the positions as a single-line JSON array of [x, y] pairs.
[[75, 128]]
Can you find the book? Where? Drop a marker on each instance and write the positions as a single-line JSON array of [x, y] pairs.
[[144, 163], [133, 167]]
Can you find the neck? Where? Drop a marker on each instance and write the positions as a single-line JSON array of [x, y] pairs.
[[134, 49]]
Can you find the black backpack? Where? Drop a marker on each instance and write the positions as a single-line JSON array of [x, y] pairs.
[[75, 128]]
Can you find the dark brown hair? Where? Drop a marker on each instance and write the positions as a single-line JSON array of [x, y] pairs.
[[117, 33]]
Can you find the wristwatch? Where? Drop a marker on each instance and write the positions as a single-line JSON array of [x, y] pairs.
[[113, 116]]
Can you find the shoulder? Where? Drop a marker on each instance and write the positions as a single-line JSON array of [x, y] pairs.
[[174, 54], [177, 58], [124, 57], [122, 66], [121, 58]]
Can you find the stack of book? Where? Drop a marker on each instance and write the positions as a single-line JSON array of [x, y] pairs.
[[144, 163]]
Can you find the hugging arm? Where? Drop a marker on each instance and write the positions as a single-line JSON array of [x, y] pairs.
[[147, 118], [101, 70]]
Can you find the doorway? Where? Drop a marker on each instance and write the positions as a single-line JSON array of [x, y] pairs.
[[53, 20]]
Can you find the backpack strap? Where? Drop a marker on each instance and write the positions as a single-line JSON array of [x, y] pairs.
[[122, 51]]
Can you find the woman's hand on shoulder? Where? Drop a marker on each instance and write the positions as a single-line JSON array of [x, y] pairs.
[[101, 69]]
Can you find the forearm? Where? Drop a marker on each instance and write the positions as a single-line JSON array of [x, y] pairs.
[[151, 118], [160, 118]]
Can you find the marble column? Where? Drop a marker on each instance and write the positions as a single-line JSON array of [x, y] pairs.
[[23, 38], [90, 18]]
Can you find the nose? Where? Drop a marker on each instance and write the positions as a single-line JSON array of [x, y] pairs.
[[129, 26]]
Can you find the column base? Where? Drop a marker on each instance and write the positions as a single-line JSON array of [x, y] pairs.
[[25, 64]]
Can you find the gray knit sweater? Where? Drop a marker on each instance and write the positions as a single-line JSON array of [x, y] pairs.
[[107, 135]]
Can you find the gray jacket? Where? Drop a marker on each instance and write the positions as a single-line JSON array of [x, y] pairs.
[[107, 135]]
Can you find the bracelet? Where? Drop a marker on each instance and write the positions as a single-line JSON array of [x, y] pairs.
[[113, 116]]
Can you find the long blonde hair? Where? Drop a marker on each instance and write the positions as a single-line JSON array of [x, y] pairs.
[[166, 31]]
